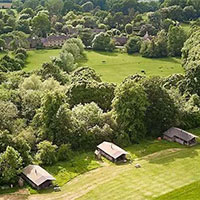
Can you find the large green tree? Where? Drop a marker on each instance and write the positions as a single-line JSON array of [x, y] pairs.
[[41, 24], [129, 107], [10, 166], [176, 39]]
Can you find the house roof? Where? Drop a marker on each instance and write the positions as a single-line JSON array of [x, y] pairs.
[[37, 174], [111, 149], [121, 40], [184, 135], [54, 38]]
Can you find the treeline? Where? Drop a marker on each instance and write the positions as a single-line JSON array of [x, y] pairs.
[[34, 19]]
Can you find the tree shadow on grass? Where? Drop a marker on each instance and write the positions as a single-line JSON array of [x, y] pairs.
[[83, 60], [168, 59], [165, 157], [107, 53]]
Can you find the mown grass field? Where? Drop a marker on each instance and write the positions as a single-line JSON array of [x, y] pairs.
[[169, 172], [161, 174], [113, 67]]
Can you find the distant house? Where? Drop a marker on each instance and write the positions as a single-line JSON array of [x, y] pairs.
[[37, 177], [111, 151], [120, 41], [54, 40], [180, 136], [97, 30], [5, 3]]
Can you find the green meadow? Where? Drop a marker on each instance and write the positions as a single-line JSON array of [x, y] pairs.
[[37, 57], [112, 67]]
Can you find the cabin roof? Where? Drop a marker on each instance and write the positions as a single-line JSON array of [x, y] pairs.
[[184, 135], [37, 174], [111, 149]]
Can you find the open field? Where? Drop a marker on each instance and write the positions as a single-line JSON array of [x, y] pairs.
[[105, 64], [114, 67]]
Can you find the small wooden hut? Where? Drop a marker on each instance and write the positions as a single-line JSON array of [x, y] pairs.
[[180, 136], [37, 177], [112, 152]]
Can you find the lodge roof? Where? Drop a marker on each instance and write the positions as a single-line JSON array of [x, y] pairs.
[[37, 174], [111, 149], [184, 135]]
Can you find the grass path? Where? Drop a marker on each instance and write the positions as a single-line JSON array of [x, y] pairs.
[[161, 172]]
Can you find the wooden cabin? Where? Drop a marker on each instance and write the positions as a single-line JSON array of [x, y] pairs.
[[111, 151], [37, 177], [180, 136]]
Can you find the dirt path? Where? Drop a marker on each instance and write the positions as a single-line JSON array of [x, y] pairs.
[[19, 195]]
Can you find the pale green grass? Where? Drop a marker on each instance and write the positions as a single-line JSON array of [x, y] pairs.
[[188, 192], [161, 173], [114, 67], [37, 57]]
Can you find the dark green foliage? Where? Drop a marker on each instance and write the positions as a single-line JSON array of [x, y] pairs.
[[103, 42], [9, 64], [176, 39], [133, 45], [190, 50], [191, 82], [50, 106], [129, 107], [161, 113], [91, 91], [155, 47], [51, 70], [84, 74], [20, 56], [22, 51], [8, 114], [64, 152], [5, 140]]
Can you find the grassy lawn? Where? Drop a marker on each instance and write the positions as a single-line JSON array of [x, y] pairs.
[[114, 67], [37, 57], [169, 171], [188, 192]]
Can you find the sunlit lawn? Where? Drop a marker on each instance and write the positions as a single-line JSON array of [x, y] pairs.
[[114, 67], [37, 57]]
